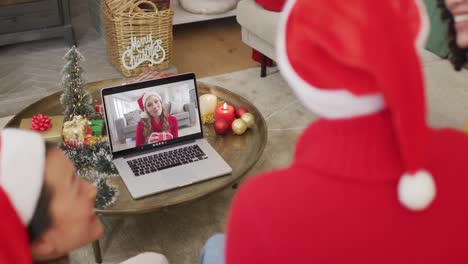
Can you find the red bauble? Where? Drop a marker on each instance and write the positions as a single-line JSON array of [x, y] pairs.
[[40, 122], [240, 111], [221, 126]]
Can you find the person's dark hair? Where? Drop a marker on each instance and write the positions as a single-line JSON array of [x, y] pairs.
[[41, 220], [457, 55]]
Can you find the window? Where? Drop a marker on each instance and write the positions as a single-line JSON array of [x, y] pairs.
[[122, 107]]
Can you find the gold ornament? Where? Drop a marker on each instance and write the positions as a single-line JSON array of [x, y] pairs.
[[75, 129], [208, 118], [249, 119], [93, 140], [239, 126]]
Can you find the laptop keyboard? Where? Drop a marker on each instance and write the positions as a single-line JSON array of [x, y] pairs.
[[165, 160]]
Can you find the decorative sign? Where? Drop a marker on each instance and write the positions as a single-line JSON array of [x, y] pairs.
[[141, 50]]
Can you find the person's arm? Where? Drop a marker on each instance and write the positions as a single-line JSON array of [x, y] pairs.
[[61, 260], [147, 258], [174, 126], [139, 137]]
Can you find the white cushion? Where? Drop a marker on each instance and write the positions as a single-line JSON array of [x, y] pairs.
[[132, 118], [177, 107], [208, 6]]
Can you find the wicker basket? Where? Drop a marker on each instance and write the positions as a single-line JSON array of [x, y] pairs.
[[138, 36]]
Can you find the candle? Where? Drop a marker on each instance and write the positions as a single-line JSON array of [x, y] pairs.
[[208, 104], [225, 112]]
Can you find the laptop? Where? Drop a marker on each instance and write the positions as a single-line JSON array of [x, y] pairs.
[[163, 160]]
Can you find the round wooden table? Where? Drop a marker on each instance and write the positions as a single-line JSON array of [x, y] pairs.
[[240, 152]]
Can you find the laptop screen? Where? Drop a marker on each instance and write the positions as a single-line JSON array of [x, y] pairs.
[[152, 114]]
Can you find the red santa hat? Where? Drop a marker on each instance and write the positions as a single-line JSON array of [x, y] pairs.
[[22, 163], [142, 102], [14, 247], [345, 60]]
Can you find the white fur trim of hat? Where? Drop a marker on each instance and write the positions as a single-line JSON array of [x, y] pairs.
[[22, 163]]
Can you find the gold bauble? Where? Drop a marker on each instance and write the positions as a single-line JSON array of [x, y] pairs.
[[249, 119], [239, 126], [208, 118], [93, 140]]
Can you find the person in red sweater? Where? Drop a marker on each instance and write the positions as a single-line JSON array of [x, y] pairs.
[[453, 14], [46, 210], [55, 207], [370, 181], [155, 124]]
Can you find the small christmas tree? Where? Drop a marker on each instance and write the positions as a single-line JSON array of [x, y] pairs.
[[76, 100], [106, 194], [94, 163]]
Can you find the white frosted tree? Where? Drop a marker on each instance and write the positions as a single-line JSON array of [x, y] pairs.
[[75, 99]]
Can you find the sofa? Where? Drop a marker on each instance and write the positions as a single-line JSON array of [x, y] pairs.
[[259, 27], [259, 22], [126, 127]]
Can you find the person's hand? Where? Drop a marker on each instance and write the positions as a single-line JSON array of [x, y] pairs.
[[147, 258], [61, 260], [159, 136]]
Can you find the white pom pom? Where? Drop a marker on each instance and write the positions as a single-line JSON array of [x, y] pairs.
[[144, 115], [416, 191]]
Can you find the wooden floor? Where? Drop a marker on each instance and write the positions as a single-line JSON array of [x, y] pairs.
[[207, 48], [211, 48]]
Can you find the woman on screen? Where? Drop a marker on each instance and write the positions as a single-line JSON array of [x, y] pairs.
[[155, 124]]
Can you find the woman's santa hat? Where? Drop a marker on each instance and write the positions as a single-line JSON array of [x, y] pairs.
[[22, 163], [142, 102], [14, 247], [345, 60]]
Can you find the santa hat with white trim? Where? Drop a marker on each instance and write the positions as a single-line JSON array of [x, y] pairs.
[[142, 102], [14, 247], [22, 163], [345, 60]]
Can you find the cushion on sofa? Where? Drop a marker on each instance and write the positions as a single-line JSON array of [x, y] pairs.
[[132, 118], [272, 5], [177, 107], [208, 6], [181, 115]]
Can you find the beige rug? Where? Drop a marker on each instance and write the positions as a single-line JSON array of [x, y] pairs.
[[180, 231]]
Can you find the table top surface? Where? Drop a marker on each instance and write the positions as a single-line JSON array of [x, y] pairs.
[[240, 152]]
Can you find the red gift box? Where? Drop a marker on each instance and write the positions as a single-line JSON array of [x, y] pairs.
[[159, 136], [99, 108]]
